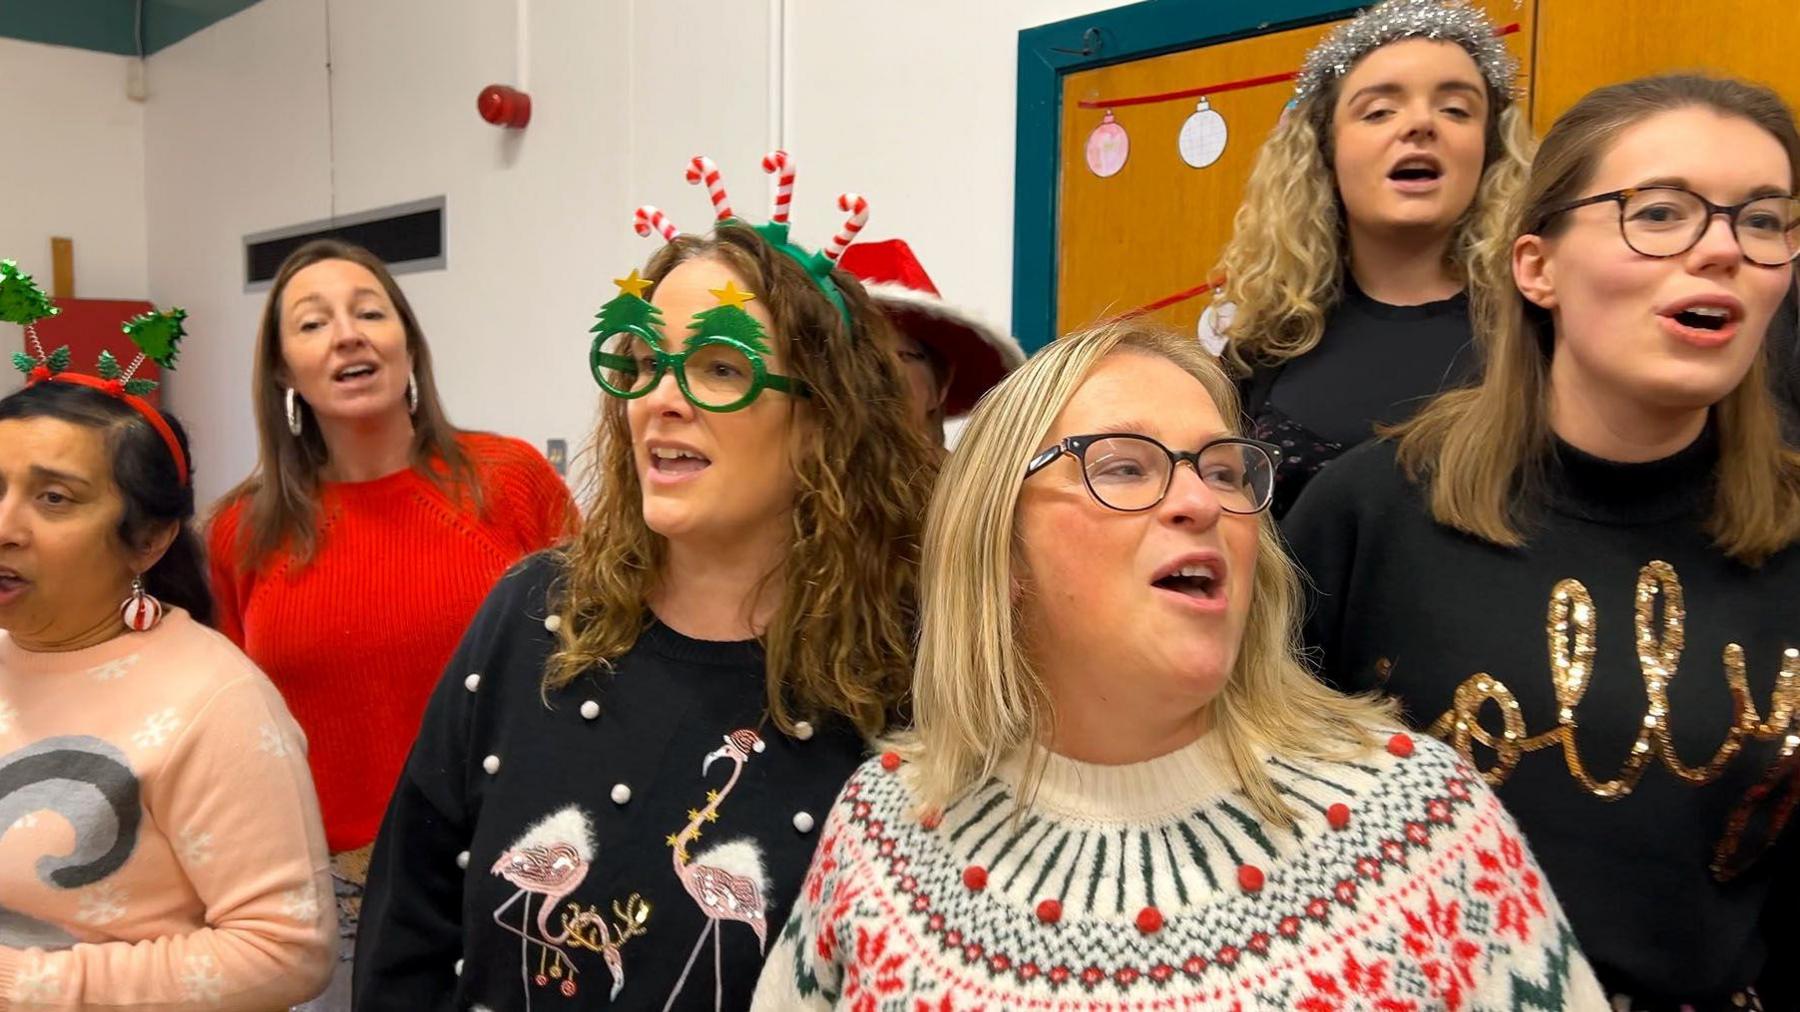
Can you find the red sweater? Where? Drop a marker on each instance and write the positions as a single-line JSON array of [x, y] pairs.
[[356, 638]]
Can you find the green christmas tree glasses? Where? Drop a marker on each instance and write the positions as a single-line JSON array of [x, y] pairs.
[[721, 367]]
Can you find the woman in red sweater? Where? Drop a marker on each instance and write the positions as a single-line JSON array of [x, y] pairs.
[[349, 563]]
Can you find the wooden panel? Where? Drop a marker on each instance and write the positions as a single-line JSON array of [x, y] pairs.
[[1155, 228], [1583, 44], [62, 268]]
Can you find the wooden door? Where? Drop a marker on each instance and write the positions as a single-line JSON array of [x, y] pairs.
[[1149, 234], [1583, 44]]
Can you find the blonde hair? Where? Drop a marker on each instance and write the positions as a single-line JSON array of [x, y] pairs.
[[1481, 449], [1284, 265], [977, 696], [841, 638]]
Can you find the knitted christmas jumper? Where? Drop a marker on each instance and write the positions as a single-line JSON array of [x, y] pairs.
[[1403, 885]]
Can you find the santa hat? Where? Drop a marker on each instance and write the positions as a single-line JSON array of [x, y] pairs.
[[979, 355]]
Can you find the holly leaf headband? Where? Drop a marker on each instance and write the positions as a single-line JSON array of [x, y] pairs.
[[629, 306], [21, 300], [157, 336]]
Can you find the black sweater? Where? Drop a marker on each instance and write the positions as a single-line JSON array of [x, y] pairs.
[[1376, 364], [508, 805], [1416, 609]]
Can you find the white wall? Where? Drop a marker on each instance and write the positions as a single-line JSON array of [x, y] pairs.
[[242, 138], [74, 167], [912, 105]]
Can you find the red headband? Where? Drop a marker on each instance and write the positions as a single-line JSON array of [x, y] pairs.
[[114, 388]]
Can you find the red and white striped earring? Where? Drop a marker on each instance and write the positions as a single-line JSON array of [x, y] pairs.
[[140, 611]]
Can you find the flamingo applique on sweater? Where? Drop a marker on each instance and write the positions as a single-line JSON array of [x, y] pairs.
[[727, 881]]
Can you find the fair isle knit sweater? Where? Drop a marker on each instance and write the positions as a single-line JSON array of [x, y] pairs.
[[1403, 886]]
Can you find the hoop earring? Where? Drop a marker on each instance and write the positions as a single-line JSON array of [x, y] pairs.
[[412, 393], [293, 412], [141, 611]]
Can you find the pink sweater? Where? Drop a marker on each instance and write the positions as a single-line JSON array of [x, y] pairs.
[[160, 844]]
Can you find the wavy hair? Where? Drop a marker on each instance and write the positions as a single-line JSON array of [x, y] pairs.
[[1284, 265], [841, 639], [979, 697]]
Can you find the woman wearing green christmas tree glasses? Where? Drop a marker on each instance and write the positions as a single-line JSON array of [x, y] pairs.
[[616, 788]]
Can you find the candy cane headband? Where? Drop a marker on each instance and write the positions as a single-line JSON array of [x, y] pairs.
[[818, 265], [157, 336]]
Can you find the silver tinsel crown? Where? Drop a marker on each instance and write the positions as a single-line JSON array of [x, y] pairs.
[[1394, 20]]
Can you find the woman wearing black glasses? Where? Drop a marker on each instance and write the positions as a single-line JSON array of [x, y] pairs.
[[1124, 790], [1582, 572]]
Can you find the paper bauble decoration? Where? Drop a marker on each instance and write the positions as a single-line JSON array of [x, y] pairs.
[[1203, 136], [1107, 147]]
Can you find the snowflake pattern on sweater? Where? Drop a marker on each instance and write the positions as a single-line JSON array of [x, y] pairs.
[[1403, 887]]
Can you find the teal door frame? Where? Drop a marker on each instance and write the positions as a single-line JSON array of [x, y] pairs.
[[1047, 52]]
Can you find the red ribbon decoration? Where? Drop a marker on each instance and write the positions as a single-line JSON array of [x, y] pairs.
[[1214, 89]]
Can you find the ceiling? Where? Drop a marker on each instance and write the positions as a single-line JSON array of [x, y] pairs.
[[110, 26]]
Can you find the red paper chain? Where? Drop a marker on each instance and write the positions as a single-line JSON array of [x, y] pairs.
[[1170, 300], [1214, 89]]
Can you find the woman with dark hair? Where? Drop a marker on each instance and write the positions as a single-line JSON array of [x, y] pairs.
[[350, 562], [1583, 572], [162, 845]]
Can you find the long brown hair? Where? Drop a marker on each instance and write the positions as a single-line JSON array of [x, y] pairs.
[[1482, 448], [1284, 265], [842, 638], [283, 491]]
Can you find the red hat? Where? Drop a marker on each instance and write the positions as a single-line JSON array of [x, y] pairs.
[[979, 355]]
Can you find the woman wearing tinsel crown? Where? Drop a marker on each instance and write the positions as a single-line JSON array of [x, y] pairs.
[[1356, 258]]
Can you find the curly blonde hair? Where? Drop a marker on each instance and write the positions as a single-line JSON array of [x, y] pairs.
[[979, 699], [1284, 264], [841, 640]]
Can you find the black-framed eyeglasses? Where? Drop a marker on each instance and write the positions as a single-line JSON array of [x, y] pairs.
[[1667, 221], [1131, 473]]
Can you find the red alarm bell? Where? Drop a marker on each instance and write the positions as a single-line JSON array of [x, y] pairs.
[[504, 106]]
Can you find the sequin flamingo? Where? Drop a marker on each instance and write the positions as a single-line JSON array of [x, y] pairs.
[[727, 881], [549, 861]]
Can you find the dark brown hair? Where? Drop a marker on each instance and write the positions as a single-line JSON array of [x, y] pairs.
[[147, 479]]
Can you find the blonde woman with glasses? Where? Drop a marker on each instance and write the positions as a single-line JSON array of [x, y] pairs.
[[1123, 787]]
